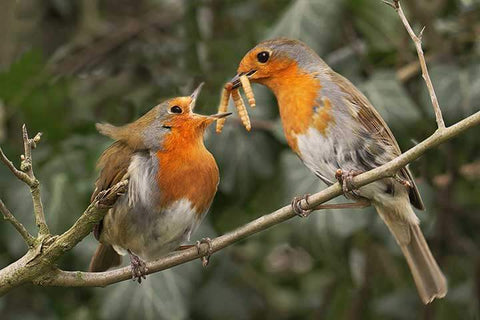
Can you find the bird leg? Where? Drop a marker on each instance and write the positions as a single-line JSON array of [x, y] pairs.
[[297, 207], [139, 268], [205, 258], [346, 180]]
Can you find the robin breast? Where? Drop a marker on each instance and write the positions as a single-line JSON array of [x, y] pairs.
[[320, 127], [167, 198]]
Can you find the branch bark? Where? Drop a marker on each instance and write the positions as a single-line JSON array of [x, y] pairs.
[[88, 279], [39, 261], [27, 167], [37, 265]]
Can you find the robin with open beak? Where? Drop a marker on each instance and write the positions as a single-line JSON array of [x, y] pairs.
[[172, 181], [337, 133]]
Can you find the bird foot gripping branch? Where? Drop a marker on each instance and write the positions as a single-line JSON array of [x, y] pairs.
[[345, 178], [139, 267], [205, 258]]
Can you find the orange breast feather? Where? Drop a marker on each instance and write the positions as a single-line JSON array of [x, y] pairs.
[[297, 93], [187, 170]]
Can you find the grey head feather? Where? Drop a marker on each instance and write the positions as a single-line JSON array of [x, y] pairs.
[[306, 58]]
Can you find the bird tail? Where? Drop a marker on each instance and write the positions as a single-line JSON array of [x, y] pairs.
[[404, 225], [104, 258]]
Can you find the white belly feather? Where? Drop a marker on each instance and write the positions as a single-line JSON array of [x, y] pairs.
[[145, 231], [324, 155]]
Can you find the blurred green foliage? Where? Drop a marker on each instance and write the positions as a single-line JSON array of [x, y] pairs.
[[65, 65]]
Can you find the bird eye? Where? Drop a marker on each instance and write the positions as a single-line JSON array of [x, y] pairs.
[[263, 56], [176, 109]]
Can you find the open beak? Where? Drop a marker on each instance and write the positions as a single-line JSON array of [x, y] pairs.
[[220, 115], [205, 121], [235, 82], [195, 95]]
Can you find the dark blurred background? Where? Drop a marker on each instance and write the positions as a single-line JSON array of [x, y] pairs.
[[65, 65]]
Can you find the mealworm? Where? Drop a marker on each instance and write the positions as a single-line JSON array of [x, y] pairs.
[[248, 90], [242, 111], [222, 108]]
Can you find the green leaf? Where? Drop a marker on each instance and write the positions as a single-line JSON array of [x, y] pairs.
[[457, 90], [390, 99], [243, 157], [377, 23], [314, 22]]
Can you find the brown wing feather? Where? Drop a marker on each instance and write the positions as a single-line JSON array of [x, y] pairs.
[[369, 117], [118, 157]]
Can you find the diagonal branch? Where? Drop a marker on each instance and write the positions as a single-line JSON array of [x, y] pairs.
[[22, 176], [7, 215], [88, 279], [418, 45]]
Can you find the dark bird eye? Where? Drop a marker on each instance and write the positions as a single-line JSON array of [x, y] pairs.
[[176, 109], [263, 56]]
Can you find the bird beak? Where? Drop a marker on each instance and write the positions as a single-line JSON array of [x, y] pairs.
[[220, 115], [195, 95], [205, 121], [235, 82]]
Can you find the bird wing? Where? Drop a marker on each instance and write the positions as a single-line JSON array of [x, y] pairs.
[[117, 156], [378, 129]]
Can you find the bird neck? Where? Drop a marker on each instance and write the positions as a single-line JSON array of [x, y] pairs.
[[187, 170], [296, 92]]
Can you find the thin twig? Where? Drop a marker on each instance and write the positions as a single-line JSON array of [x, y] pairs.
[[22, 176], [27, 167], [89, 279], [7, 215], [418, 45]]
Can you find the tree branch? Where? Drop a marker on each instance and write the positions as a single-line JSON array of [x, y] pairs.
[[39, 261], [7, 215], [27, 167], [88, 279], [418, 45], [37, 265], [22, 176]]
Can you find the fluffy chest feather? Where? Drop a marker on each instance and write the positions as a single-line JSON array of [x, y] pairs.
[[169, 194], [188, 172], [296, 93]]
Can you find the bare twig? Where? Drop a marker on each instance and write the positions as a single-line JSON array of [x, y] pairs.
[[22, 176], [27, 167], [87, 279], [7, 215], [418, 45]]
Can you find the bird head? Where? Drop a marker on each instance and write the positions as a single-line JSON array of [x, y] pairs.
[[171, 119], [276, 60]]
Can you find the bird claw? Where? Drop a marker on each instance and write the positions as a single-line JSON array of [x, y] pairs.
[[403, 182], [297, 206], [346, 180], [205, 258], [139, 267]]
